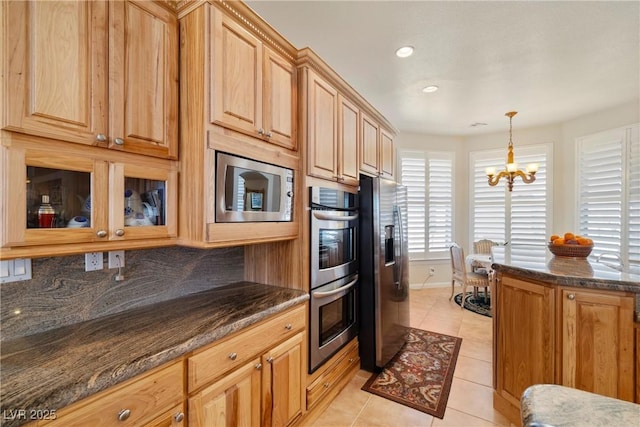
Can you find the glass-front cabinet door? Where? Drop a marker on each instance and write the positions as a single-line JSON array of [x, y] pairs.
[[53, 198], [142, 202]]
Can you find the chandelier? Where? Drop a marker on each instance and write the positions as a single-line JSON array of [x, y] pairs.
[[512, 171]]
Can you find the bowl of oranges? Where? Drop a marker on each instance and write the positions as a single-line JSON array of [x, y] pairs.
[[570, 245]]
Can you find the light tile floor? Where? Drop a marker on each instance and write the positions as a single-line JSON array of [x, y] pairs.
[[470, 401]]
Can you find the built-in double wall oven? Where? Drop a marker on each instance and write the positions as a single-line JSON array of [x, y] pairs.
[[334, 272]]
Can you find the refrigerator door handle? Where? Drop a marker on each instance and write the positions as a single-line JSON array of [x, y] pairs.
[[319, 294], [329, 217], [400, 268]]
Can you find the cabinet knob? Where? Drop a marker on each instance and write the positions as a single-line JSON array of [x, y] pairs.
[[101, 233], [341, 179], [288, 326], [124, 414], [571, 297], [233, 356], [270, 359], [119, 232], [351, 359], [289, 194], [258, 366], [118, 141], [179, 417], [101, 137], [325, 385], [260, 131], [269, 135]]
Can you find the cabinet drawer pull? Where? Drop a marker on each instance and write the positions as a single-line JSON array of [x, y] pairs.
[[101, 233], [233, 356], [119, 232], [288, 326], [124, 414], [179, 417], [100, 137], [258, 366], [270, 359], [571, 297], [118, 141]]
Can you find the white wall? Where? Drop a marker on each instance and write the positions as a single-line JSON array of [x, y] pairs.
[[561, 135]]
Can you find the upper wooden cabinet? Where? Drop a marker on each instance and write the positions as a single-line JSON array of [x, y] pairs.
[[97, 200], [332, 132], [377, 151], [255, 88], [96, 73]]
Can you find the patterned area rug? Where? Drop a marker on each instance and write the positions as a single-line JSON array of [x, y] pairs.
[[476, 304], [420, 375]]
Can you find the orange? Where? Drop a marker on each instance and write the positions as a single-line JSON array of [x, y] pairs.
[[569, 236], [553, 237], [584, 241], [559, 241]]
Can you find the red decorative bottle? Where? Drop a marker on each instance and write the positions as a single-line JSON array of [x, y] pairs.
[[46, 213]]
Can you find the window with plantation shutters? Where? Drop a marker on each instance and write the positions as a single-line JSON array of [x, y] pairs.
[[521, 217], [429, 180], [609, 192]]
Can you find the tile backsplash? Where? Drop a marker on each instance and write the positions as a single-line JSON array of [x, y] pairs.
[[62, 293]]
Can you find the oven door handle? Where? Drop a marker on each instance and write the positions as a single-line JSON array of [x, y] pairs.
[[319, 294], [329, 217]]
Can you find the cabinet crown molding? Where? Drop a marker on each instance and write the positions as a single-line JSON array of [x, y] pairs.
[[308, 58]]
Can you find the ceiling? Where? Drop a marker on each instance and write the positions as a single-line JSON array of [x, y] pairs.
[[550, 61]]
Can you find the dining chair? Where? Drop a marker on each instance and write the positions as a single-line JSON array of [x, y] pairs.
[[482, 246], [459, 274]]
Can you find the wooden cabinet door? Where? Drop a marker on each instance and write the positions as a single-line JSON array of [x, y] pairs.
[[348, 142], [143, 86], [283, 391], [597, 342], [387, 157], [136, 217], [279, 97], [172, 418], [236, 76], [322, 128], [525, 347], [56, 69], [369, 150], [232, 401], [68, 181]]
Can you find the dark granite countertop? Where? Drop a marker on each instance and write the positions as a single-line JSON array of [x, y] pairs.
[[564, 271], [554, 406], [55, 368]]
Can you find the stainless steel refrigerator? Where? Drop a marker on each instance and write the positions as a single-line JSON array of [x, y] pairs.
[[384, 271]]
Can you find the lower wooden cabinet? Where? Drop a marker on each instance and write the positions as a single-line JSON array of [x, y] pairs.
[[233, 400], [151, 399], [254, 377], [577, 337]]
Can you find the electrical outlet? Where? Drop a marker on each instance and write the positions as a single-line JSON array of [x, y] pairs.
[[93, 261], [116, 259]]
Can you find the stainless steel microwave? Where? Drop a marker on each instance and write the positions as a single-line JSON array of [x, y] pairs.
[[252, 191]]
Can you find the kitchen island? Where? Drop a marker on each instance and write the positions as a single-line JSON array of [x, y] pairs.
[[565, 321], [45, 372]]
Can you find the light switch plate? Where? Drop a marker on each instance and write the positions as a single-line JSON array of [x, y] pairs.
[[15, 270], [93, 261]]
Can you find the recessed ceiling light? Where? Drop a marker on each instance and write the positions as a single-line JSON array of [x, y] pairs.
[[430, 89], [404, 51], [477, 124]]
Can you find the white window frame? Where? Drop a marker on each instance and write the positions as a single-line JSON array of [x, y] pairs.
[[520, 151], [428, 254], [628, 136]]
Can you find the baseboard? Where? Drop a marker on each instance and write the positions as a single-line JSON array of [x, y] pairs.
[[429, 285]]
